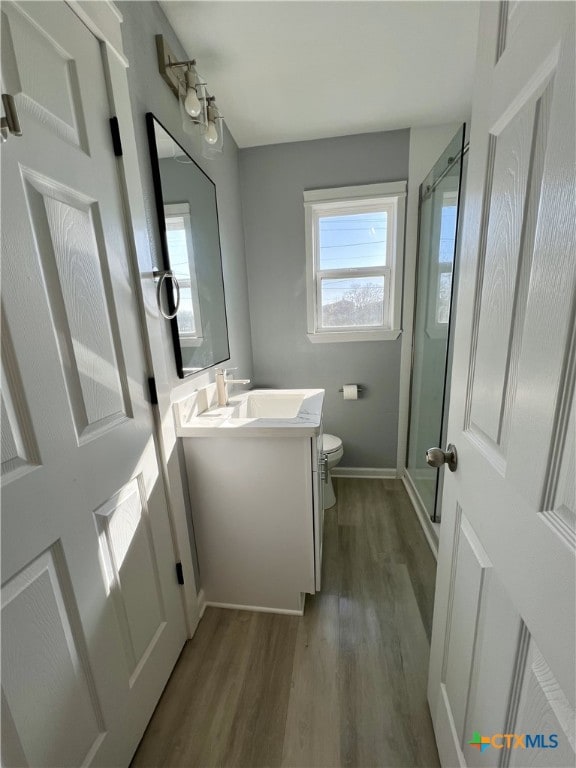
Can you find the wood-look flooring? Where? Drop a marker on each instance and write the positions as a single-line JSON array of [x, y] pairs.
[[344, 685]]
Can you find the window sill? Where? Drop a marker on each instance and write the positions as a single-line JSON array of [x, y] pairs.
[[331, 338], [191, 341]]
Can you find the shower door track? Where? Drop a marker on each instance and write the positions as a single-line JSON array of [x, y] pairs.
[[430, 189]]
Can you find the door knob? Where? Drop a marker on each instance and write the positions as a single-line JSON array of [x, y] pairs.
[[435, 457]]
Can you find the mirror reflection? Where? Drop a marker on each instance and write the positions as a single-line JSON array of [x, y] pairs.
[[188, 221]]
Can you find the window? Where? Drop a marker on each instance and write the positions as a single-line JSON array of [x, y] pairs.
[[354, 240], [445, 217], [181, 252], [448, 221]]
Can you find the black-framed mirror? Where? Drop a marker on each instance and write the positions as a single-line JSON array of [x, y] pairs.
[[190, 238]]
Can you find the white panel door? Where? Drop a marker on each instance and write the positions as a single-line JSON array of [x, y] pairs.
[[503, 657], [92, 618]]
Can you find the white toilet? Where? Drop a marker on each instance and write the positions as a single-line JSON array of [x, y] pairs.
[[333, 449]]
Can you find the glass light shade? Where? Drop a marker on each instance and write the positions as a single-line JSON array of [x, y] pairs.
[[211, 135], [211, 151]]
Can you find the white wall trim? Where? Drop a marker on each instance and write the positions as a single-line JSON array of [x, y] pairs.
[[258, 608], [317, 202], [361, 192], [328, 337], [431, 530], [375, 473], [201, 603], [104, 21]]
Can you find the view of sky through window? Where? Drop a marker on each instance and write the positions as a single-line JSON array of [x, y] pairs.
[[446, 259], [356, 240], [352, 241], [447, 233]]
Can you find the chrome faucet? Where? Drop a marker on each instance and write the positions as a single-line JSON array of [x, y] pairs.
[[222, 384]]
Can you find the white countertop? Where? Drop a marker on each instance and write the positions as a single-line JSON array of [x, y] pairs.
[[195, 417]]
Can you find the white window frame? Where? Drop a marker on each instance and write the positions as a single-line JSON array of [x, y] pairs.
[[346, 200], [182, 211]]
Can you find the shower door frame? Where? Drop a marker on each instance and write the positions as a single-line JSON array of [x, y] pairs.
[[422, 196]]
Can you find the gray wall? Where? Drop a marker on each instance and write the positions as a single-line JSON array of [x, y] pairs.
[[273, 179], [149, 93]]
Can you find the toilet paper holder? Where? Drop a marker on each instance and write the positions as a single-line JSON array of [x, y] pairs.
[[358, 387]]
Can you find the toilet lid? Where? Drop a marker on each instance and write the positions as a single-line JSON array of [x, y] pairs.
[[330, 443]]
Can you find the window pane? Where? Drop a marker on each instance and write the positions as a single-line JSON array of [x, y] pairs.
[[186, 323], [177, 246], [443, 298], [180, 266], [350, 302], [447, 234], [357, 240]]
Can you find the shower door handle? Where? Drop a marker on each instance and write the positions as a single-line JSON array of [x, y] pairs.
[[436, 457]]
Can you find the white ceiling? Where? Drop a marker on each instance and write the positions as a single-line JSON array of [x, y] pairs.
[[289, 71]]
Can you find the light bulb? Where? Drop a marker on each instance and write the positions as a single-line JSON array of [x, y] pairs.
[[211, 135], [192, 103]]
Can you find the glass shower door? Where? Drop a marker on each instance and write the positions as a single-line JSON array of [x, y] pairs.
[[437, 229]]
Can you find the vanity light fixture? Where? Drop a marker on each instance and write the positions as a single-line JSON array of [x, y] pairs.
[[197, 107]]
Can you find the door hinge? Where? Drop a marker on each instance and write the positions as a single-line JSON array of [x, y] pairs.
[[116, 140], [152, 390], [179, 573]]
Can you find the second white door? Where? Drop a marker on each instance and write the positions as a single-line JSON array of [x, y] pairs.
[[92, 617], [502, 686]]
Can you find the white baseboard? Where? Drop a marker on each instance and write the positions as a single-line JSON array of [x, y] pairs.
[[430, 529], [257, 608], [375, 473], [201, 602]]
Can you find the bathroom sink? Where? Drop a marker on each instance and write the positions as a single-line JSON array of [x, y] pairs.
[[272, 405], [252, 413]]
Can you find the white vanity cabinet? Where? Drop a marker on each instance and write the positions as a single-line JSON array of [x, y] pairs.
[[255, 477], [256, 509]]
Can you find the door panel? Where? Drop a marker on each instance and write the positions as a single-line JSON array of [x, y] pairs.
[[130, 564], [73, 256], [44, 652], [469, 581], [542, 709], [494, 661], [503, 657], [504, 284], [19, 446], [49, 94], [91, 609]]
